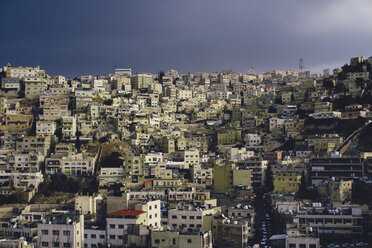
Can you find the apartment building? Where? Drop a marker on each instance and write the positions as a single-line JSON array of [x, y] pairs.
[[286, 181], [37, 144], [346, 168], [94, 237], [34, 88], [83, 98], [253, 139], [78, 164], [117, 222], [188, 216], [12, 83], [343, 224], [22, 180], [191, 158], [23, 72], [16, 123], [52, 112], [231, 232], [68, 127], [45, 128], [324, 143], [297, 237], [111, 175], [25, 162], [170, 239], [61, 229], [140, 81]]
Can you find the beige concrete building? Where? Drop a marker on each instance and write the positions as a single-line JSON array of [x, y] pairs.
[[37, 144], [34, 89], [52, 112], [141, 81], [45, 128], [68, 127], [24, 72], [87, 204], [22, 180], [192, 158], [25, 162], [78, 164], [188, 216], [110, 176]]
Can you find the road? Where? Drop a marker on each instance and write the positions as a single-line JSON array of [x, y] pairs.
[[262, 218], [351, 136]]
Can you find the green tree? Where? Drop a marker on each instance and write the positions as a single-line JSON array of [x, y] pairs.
[[328, 84], [108, 102]]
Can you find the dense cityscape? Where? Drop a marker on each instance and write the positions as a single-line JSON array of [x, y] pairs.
[[222, 159]]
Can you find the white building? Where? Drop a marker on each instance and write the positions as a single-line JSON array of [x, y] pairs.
[[253, 139], [61, 229], [94, 237], [192, 158]]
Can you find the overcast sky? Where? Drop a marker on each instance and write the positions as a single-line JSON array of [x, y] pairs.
[[75, 37]]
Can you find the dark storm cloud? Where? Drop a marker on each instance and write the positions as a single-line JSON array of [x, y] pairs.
[[91, 37]]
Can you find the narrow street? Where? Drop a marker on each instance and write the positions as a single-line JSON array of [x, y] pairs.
[[263, 218]]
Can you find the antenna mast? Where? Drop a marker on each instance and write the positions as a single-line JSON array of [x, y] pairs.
[[301, 65]]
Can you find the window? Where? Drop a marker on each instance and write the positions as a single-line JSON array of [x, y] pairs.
[[189, 241], [44, 244], [302, 245], [66, 233], [192, 217], [174, 216], [55, 244], [112, 236], [120, 236], [44, 232], [312, 246], [93, 236], [101, 236], [292, 245], [66, 245], [198, 217], [157, 241], [121, 226], [85, 235], [184, 217], [112, 226]]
